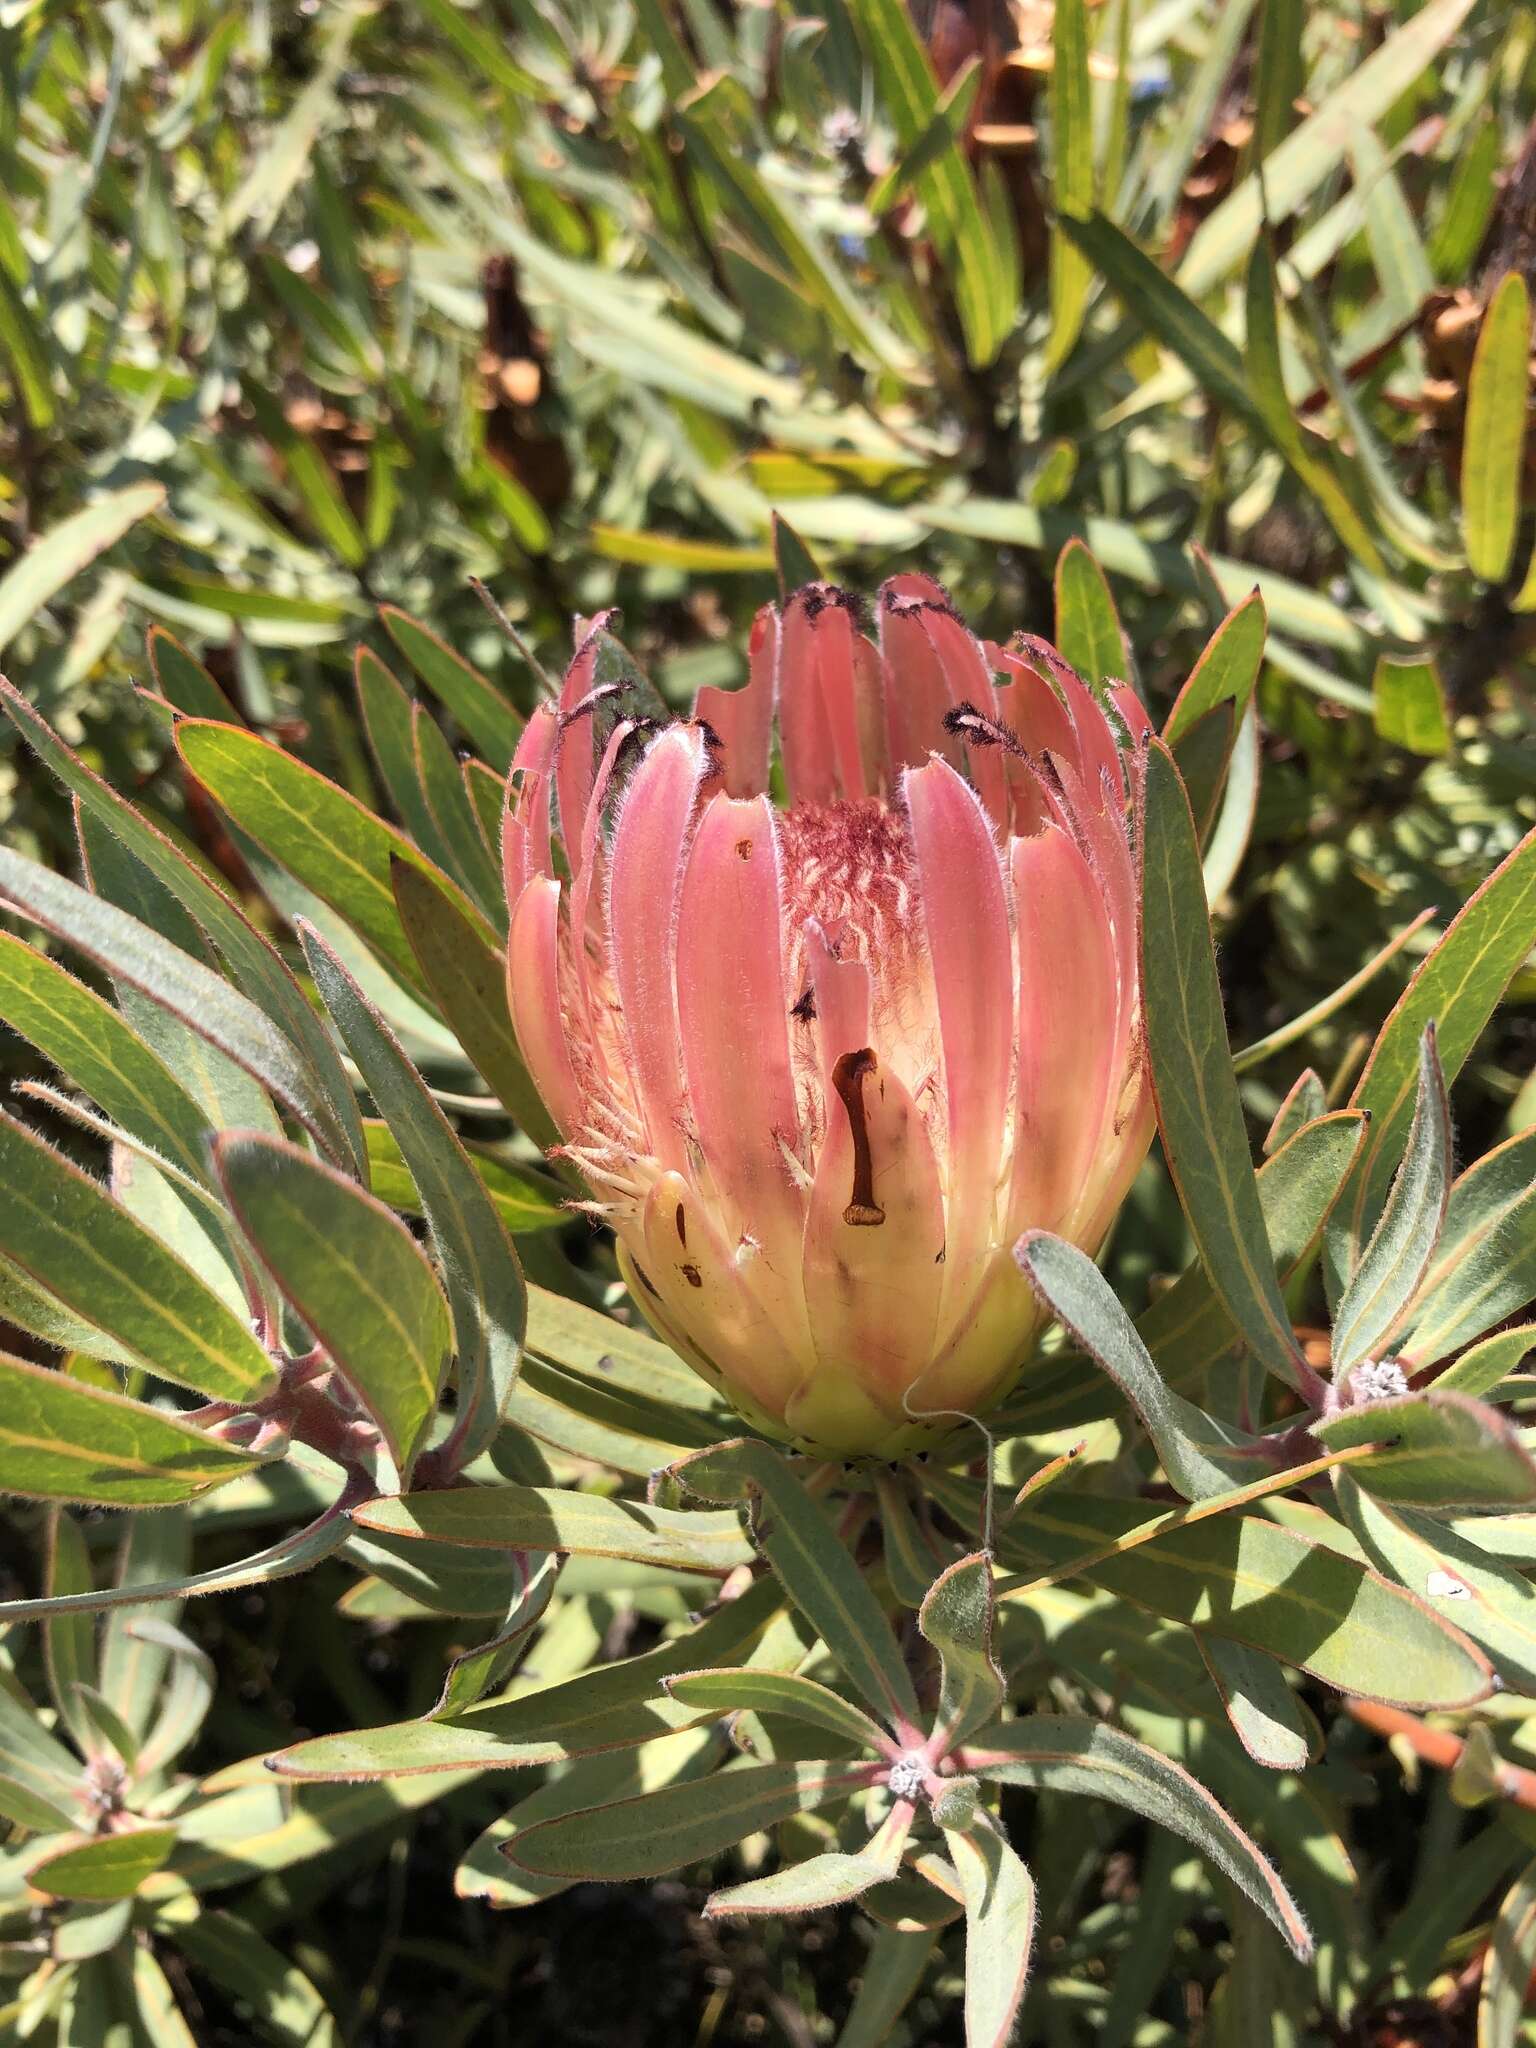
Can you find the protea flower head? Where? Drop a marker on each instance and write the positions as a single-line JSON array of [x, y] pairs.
[[823, 1062]]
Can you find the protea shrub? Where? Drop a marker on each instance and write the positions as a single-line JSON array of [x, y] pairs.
[[823, 1057]]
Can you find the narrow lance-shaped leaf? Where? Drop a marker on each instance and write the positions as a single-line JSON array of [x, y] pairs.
[[485, 714], [1072, 175], [90, 1043], [466, 973], [1404, 1240], [1457, 987], [816, 1570], [1440, 1449], [1503, 2001], [1227, 671], [1199, 1112], [614, 1706], [1493, 445], [57, 556], [1074, 1290], [108, 1867], [743, 1690], [473, 1672], [956, 1618], [319, 832], [295, 1552], [69, 1235], [1068, 1753], [1484, 1268], [354, 1274], [999, 1932], [485, 1281], [1088, 629], [275, 1035], [1240, 1576], [1410, 706], [1265, 1715], [63, 1439], [681, 1824], [555, 1518], [188, 990], [813, 1886]]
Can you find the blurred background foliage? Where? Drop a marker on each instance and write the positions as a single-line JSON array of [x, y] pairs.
[[308, 309]]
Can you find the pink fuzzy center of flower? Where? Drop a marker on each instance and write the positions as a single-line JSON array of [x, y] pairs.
[[849, 866]]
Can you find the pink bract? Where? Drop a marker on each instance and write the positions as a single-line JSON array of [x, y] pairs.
[[823, 1063]]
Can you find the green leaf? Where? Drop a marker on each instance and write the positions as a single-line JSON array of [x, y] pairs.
[[956, 1618], [1310, 154], [483, 712], [57, 556], [1480, 1370], [474, 1672], [486, 1872], [1065, 1753], [553, 1518], [1452, 1575], [323, 836], [77, 1243], [182, 681], [1088, 629], [1072, 184], [1073, 1289], [1443, 1450], [1404, 1240], [613, 1706], [1493, 445], [1199, 1113], [1502, 2004], [283, 2001], [524, 1200], [1149, 295], [1484, 1267], [387, 719], [1456, 987], [464, 856], [793, 560], [1227, 671], [1265, 1715], [1187, 1328], [587, 1342], [109, 1867], [1280, 73], [63, 1439], [813, 1886], [779, 1692], [1410, 706], [27, 355], [815, 1569], [273, 1033], [999, 1933], [353, 1272], [1306, 1102], [295, 1552], [1247, 1579], [186, 1699], [1310, 459], [465, 971], [90, 1043], [485, 1286], [1468, 203], [681, 1824], [69, 1640], [909, 94]]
